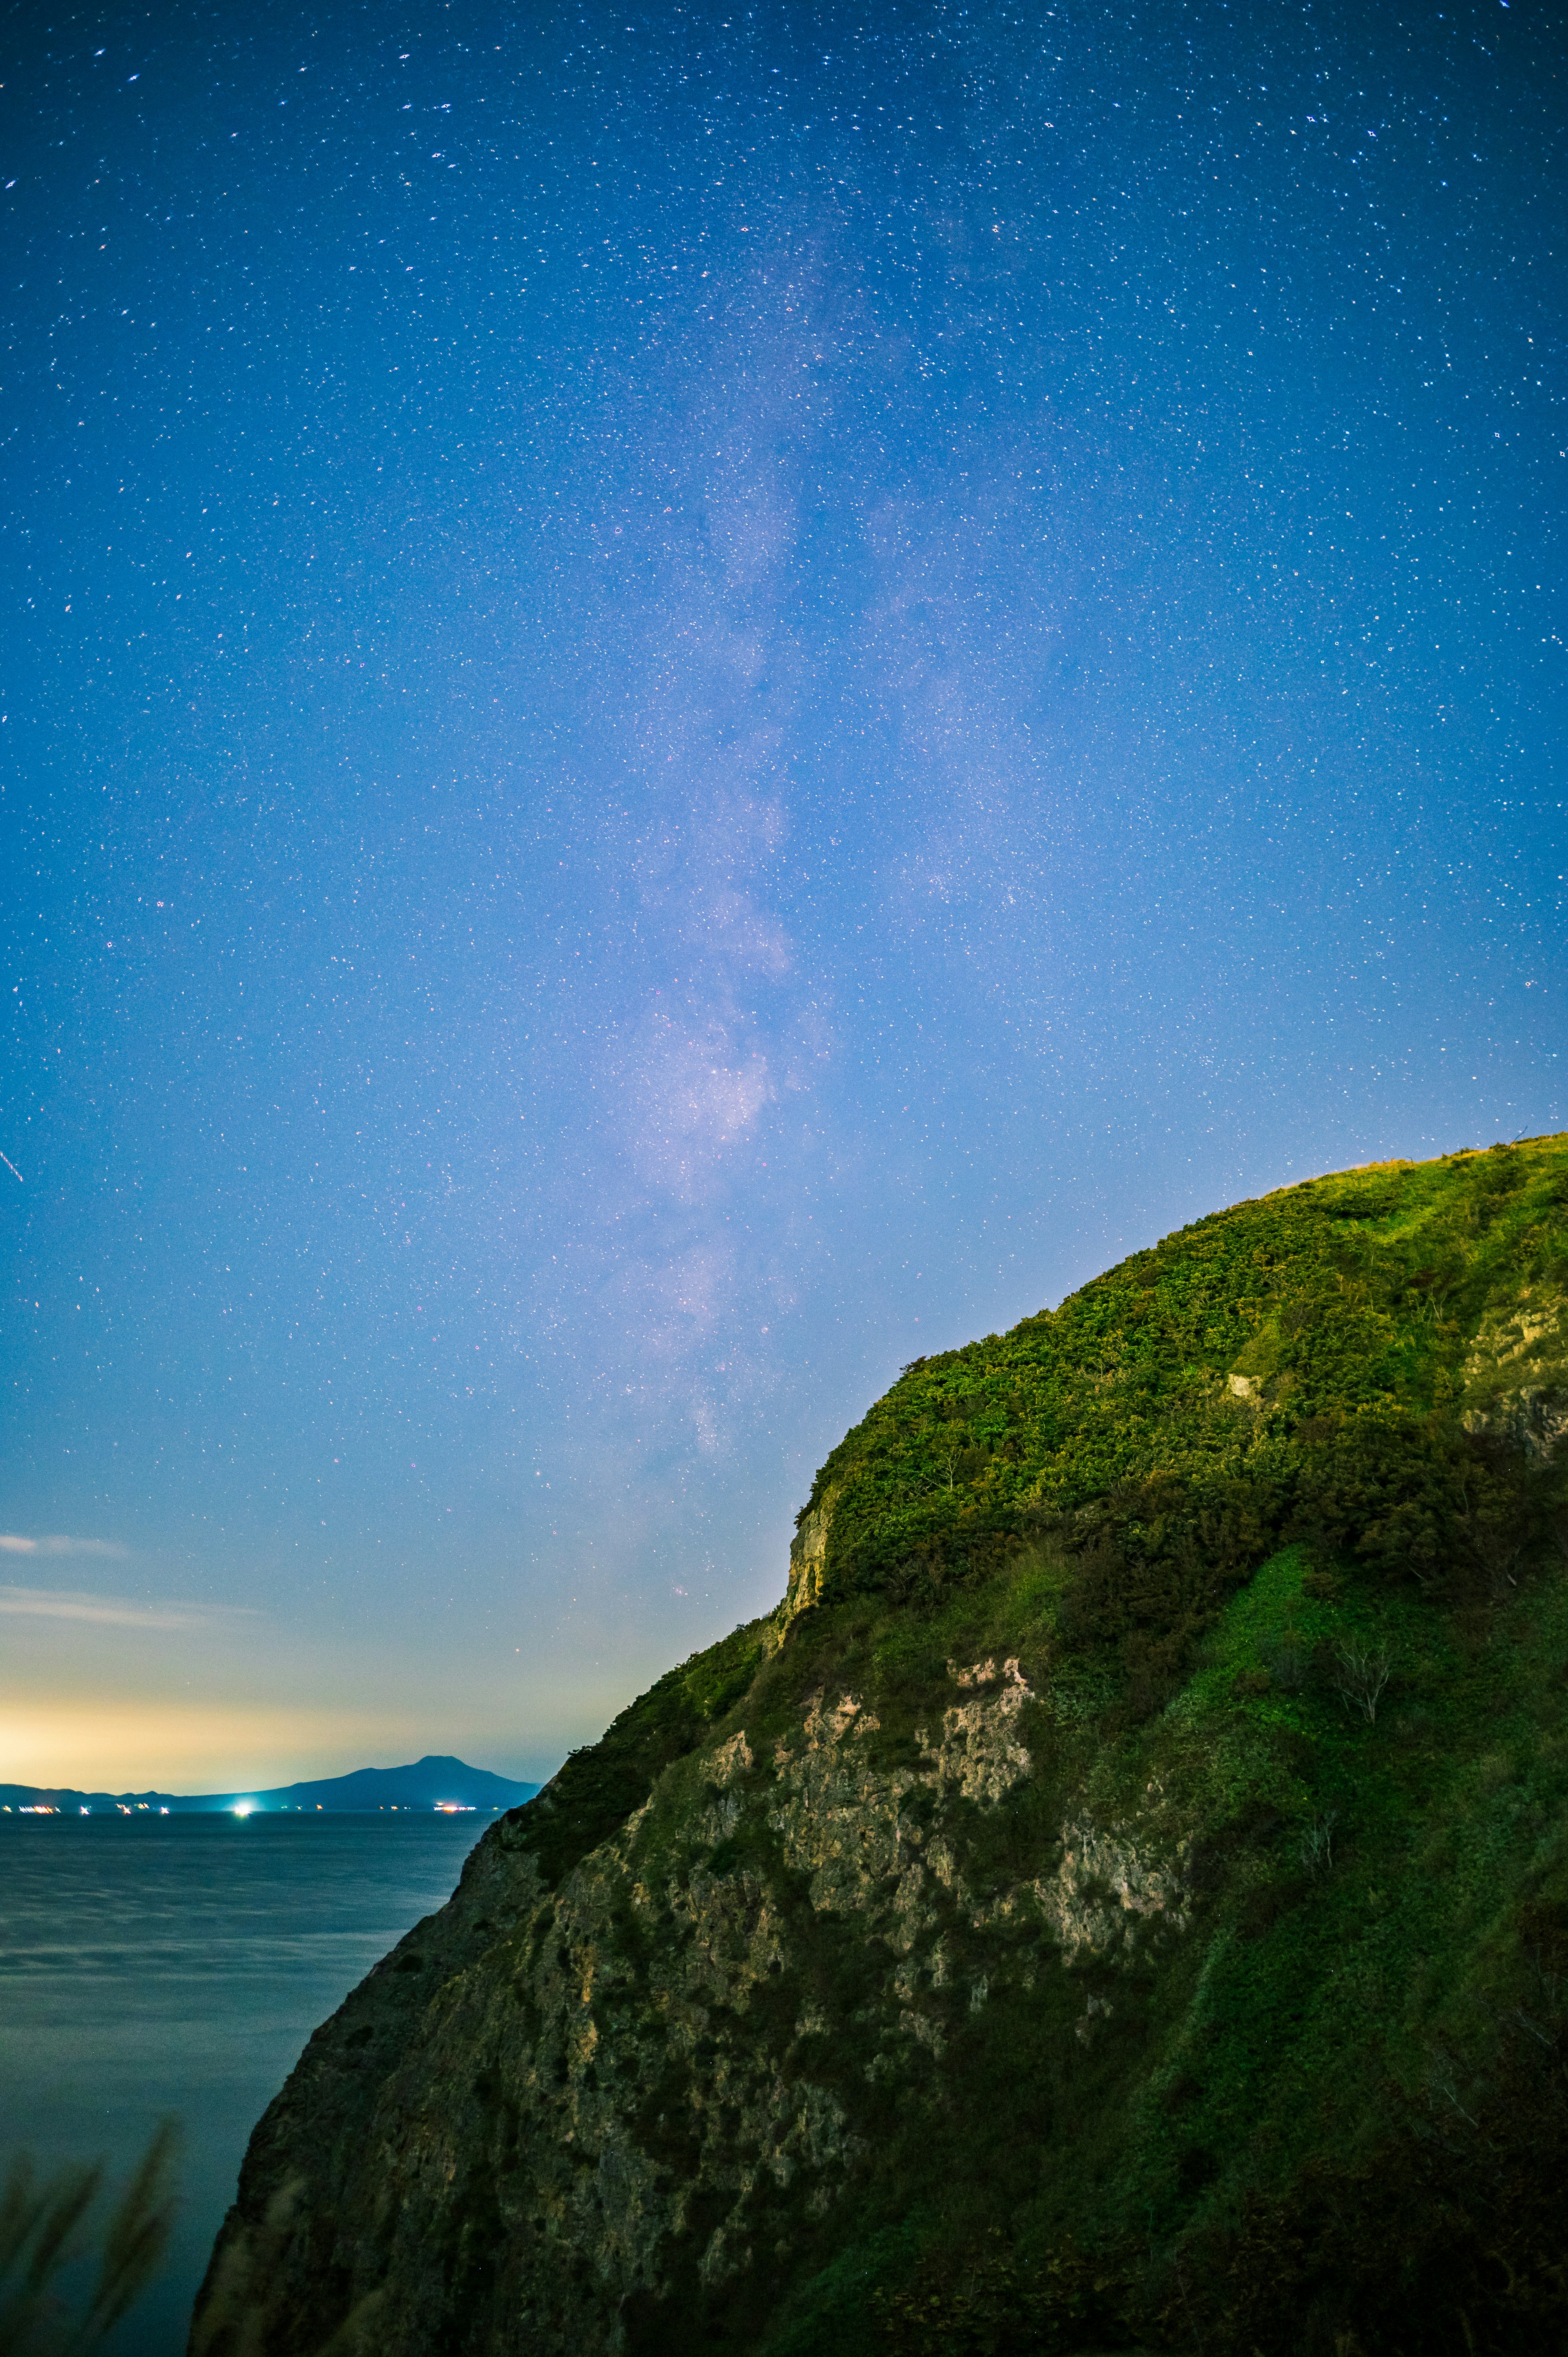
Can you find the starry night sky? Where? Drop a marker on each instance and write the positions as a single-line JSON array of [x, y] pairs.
[[697, 700]]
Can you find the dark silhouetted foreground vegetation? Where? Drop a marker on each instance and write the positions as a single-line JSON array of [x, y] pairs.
[[46, 2233]]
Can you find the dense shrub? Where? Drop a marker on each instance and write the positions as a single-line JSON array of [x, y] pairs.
[[1388, 1489]]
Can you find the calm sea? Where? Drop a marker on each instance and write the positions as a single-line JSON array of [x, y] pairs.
[[151, 1965]]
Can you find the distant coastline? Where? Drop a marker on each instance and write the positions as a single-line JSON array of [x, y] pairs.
[[441, 1783]]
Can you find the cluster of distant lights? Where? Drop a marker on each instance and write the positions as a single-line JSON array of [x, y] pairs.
[[52, 1809], [406, 1808], [239, 1809]]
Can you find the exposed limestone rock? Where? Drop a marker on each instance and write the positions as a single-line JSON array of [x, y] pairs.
[[731, 1760], [1535, 1421], [978, 1750], [841, 1820], [807, 1563], [1104, 1889]]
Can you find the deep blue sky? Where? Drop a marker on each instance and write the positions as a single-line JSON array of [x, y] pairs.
[[696, 700]]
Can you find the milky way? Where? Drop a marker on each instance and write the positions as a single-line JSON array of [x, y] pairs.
[[695, 702]]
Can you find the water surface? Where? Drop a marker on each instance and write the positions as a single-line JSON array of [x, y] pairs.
[[159, 1965]]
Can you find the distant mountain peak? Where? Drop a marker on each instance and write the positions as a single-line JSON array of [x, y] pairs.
[[438, 1781]]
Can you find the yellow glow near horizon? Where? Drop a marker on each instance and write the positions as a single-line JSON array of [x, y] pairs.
[[111, 1745]]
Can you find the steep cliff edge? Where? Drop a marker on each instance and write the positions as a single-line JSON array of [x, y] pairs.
[[1119, 1898]]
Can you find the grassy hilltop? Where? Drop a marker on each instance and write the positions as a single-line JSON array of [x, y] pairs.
[[1118, 1901]]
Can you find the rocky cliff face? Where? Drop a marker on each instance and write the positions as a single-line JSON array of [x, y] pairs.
[[1034, 1884], [564, 2119]]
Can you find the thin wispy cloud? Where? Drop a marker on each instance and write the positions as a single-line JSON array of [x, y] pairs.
[[13, 1543], [114, 1611]]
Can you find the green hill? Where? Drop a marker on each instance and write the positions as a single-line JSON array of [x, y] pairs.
[[1117, 1902]]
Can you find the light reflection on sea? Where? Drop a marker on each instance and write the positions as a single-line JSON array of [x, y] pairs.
[[158, 1964]]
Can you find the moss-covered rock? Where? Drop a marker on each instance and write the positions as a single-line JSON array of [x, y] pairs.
[[1119, 1900]]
